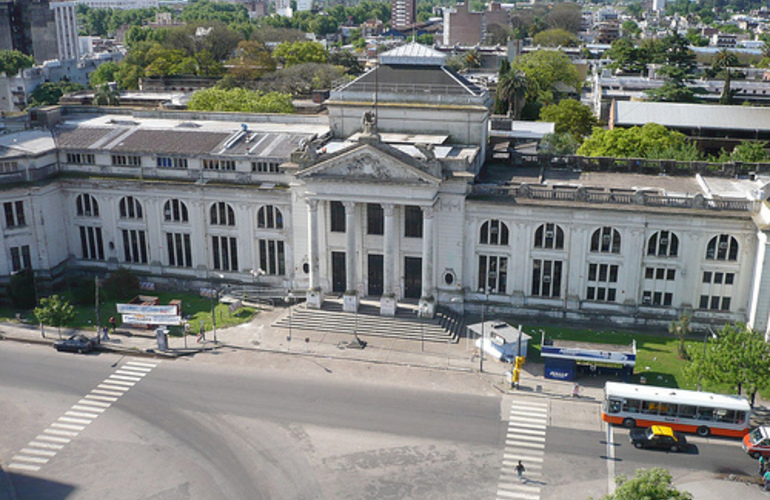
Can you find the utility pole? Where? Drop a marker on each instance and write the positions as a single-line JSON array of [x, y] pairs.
[[96, 309]]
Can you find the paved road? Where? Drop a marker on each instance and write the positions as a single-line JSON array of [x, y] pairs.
[[197, 430]]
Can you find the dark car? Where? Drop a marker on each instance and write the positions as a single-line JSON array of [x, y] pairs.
[[660, 437], [76, 343]]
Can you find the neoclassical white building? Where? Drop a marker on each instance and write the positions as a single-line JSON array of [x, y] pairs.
[[388, 197]]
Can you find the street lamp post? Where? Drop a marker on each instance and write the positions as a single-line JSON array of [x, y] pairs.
[[289, 300], [256, 274], [214, 300]]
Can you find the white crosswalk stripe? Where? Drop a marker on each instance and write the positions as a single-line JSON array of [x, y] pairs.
[[46, 445], [525, 442]]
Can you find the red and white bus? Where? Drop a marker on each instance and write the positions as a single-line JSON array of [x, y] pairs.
[[703, 413]]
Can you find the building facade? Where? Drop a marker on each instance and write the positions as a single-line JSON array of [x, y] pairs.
[[389, 197], [403, 13]]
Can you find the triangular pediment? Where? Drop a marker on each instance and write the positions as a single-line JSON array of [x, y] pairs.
[[369, 164]]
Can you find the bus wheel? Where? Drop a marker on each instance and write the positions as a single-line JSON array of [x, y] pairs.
[[755, 454], [703, 431], [629, 423]]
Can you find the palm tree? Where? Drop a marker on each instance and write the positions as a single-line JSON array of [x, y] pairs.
[[512, 88], [104, 95]]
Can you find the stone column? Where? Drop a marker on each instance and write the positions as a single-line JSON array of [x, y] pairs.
[[427, 301], [314, 293], [350, 303], [388, 303]]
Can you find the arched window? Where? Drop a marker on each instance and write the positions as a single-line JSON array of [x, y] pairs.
[[269, 217], [494, 232], [130, 208], [87, 206], [175, 211], [605, 240], [663, 244], [722, 247], [222, 214], [549, 236]]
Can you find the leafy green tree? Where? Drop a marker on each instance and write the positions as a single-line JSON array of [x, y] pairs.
[[634, 142], [49, 93], [736, 356], [544, 69], [627, 57], [104, 95], [291, 53], [11, 61], [678, 67], [559, 144], [570, 116], [55, 311], [630, 28], [680, 328], [556, 37], [512, 89], [652, 484], [206, 10], [105, 73], [565, 16], [501, 105], [749, 152], [252, 60], [240, 100], [301, 79]]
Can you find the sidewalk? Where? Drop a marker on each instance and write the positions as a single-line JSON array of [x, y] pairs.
[[259, 335]]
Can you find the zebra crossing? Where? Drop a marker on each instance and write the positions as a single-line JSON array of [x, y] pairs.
[[525, 441], [47, 444]]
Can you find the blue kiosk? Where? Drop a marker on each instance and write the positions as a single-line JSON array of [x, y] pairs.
[[566, 359]]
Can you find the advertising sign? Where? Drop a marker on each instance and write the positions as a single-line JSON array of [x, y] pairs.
[[148, 310], [152, 319]]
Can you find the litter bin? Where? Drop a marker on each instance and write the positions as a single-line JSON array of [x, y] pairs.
[[162, 335]]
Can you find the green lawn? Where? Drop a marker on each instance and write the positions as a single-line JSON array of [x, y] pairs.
[[194, 307]]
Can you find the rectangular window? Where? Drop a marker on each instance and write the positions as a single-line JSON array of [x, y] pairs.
[[375, 219], [21, 258], [8, 167], [337, 210], [218, 164], [670, 274], [729, 278], [134, 246], [179, 249], [412, 221], [272, 257], [546, 278], [600, 286], [14, 214], [127, 160], [81, 158], [493, 274], [170, 162], [91, 244], [706, 277], [265, 167], [224, 250]]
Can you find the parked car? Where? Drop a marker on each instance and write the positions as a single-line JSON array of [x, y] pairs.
[[660, 437], [76, 343], [757, 442]]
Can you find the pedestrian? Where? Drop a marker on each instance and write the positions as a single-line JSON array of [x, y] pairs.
[[520, 470], [113, 323], [766, 477], [762, 465], [105, 337], [576, 390], [202, 335]]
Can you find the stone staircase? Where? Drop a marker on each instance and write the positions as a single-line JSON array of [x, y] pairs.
[[445, 326]]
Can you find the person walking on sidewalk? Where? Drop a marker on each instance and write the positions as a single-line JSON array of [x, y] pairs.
[[520, 470]]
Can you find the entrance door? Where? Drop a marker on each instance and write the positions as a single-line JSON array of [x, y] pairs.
[[338, 272], [375, 275], [412, 277]]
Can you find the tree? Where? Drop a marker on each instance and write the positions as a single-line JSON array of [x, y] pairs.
[[55, 311], [736, 356], [556, 37], [652, 484], [749, 152], [512, 89], [678, 66], [49, 93], [570, 116], [543, 70], [501, 105], [252, 60], [565, 16], [627, 57], [635, 142], [680, 328], [630, 28], [300, 52], [104, 95], [11, 61], [301, 79], [559, 144], [240, 100], [105, 73]]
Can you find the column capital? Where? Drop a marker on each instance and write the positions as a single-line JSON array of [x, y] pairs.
[[349, 205], [427, 212], [312, 203], [388, 209]]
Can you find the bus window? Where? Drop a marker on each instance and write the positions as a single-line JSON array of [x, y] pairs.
[[613, 405], [705, 413], [726, 416], [687, 411], [650, 408], [631, 405]]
